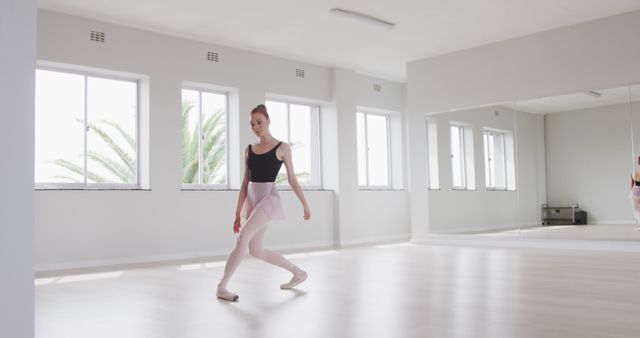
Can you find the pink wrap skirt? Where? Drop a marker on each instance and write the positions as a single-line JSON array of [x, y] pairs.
[[263, 195]]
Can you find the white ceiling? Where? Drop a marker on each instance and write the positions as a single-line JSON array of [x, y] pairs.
[[305, 31]]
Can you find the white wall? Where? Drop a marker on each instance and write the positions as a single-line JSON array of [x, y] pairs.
[[17, 63], [589, 161], [453, 211], [384, 215], [367, 216], [598, 54], [86, 228]]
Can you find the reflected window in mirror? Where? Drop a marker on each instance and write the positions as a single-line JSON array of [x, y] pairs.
[[499, 162], [433, 177], [462, 168]]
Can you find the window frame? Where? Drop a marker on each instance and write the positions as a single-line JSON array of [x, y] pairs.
[[86, 73], [208, 186], [315, 146], [463, 154], [504, 135], [432, 168], [367, 186]]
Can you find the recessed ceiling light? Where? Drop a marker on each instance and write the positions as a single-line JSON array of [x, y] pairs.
[[362, 17]]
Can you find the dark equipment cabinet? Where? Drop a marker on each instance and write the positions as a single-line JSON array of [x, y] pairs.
[[563, 215]]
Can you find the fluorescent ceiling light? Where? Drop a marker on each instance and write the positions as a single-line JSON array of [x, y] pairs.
[[593, 93], [362, 17]]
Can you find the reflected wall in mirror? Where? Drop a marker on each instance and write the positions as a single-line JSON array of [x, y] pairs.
[[491, 171], [574, 153]]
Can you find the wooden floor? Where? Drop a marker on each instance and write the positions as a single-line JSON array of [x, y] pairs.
[[400, 290]]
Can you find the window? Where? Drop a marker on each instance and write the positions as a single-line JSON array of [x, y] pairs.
[[462, 169], [298, 124], [204, 133], [498, 160], [86, 131], [457, 158], [373, 150], [433, 176]]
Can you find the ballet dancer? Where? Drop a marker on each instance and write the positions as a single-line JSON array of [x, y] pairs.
[[259, 203], [634, 195]]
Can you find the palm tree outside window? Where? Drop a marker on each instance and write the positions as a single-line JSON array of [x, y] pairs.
[[204, 146], [86, 131]]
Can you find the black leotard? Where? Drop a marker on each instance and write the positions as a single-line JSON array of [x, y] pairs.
[[263, 167]]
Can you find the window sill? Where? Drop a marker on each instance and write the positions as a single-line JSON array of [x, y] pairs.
[[378, 189], [236, 189], [204, 187], [288, 188], [91, 189]]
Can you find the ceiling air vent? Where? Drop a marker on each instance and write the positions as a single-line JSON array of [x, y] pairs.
[[97, 36], [299, 72], [213, 56], [377, 87]]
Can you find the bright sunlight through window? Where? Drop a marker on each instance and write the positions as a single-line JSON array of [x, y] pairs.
[[373, 150], [298, 125], [86, 130], [204, 133]]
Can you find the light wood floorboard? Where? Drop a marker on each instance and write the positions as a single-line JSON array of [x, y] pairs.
[[399, 290]]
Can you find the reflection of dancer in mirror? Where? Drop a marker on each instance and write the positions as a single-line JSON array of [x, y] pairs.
[[635, 194], [259, 202]]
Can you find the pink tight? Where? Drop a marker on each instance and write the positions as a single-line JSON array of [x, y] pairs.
[[251, 235], [635, 201]]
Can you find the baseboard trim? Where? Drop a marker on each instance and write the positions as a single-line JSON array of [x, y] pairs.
[[133, 262], [375, 240], [482, 229], [306, 246], [125, 261], [611, 223], [515, 242]]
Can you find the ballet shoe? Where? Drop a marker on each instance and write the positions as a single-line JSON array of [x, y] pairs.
[[298, 277], [225, 294]]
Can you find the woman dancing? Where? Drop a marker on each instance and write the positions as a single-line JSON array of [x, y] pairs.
[[259, 203], [635, 194]]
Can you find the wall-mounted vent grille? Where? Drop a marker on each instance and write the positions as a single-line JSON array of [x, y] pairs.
[[97, 36], [213, 57], [377, 87], [299, 72]]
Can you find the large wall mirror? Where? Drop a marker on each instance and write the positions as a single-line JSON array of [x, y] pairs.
[[557, 167]]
